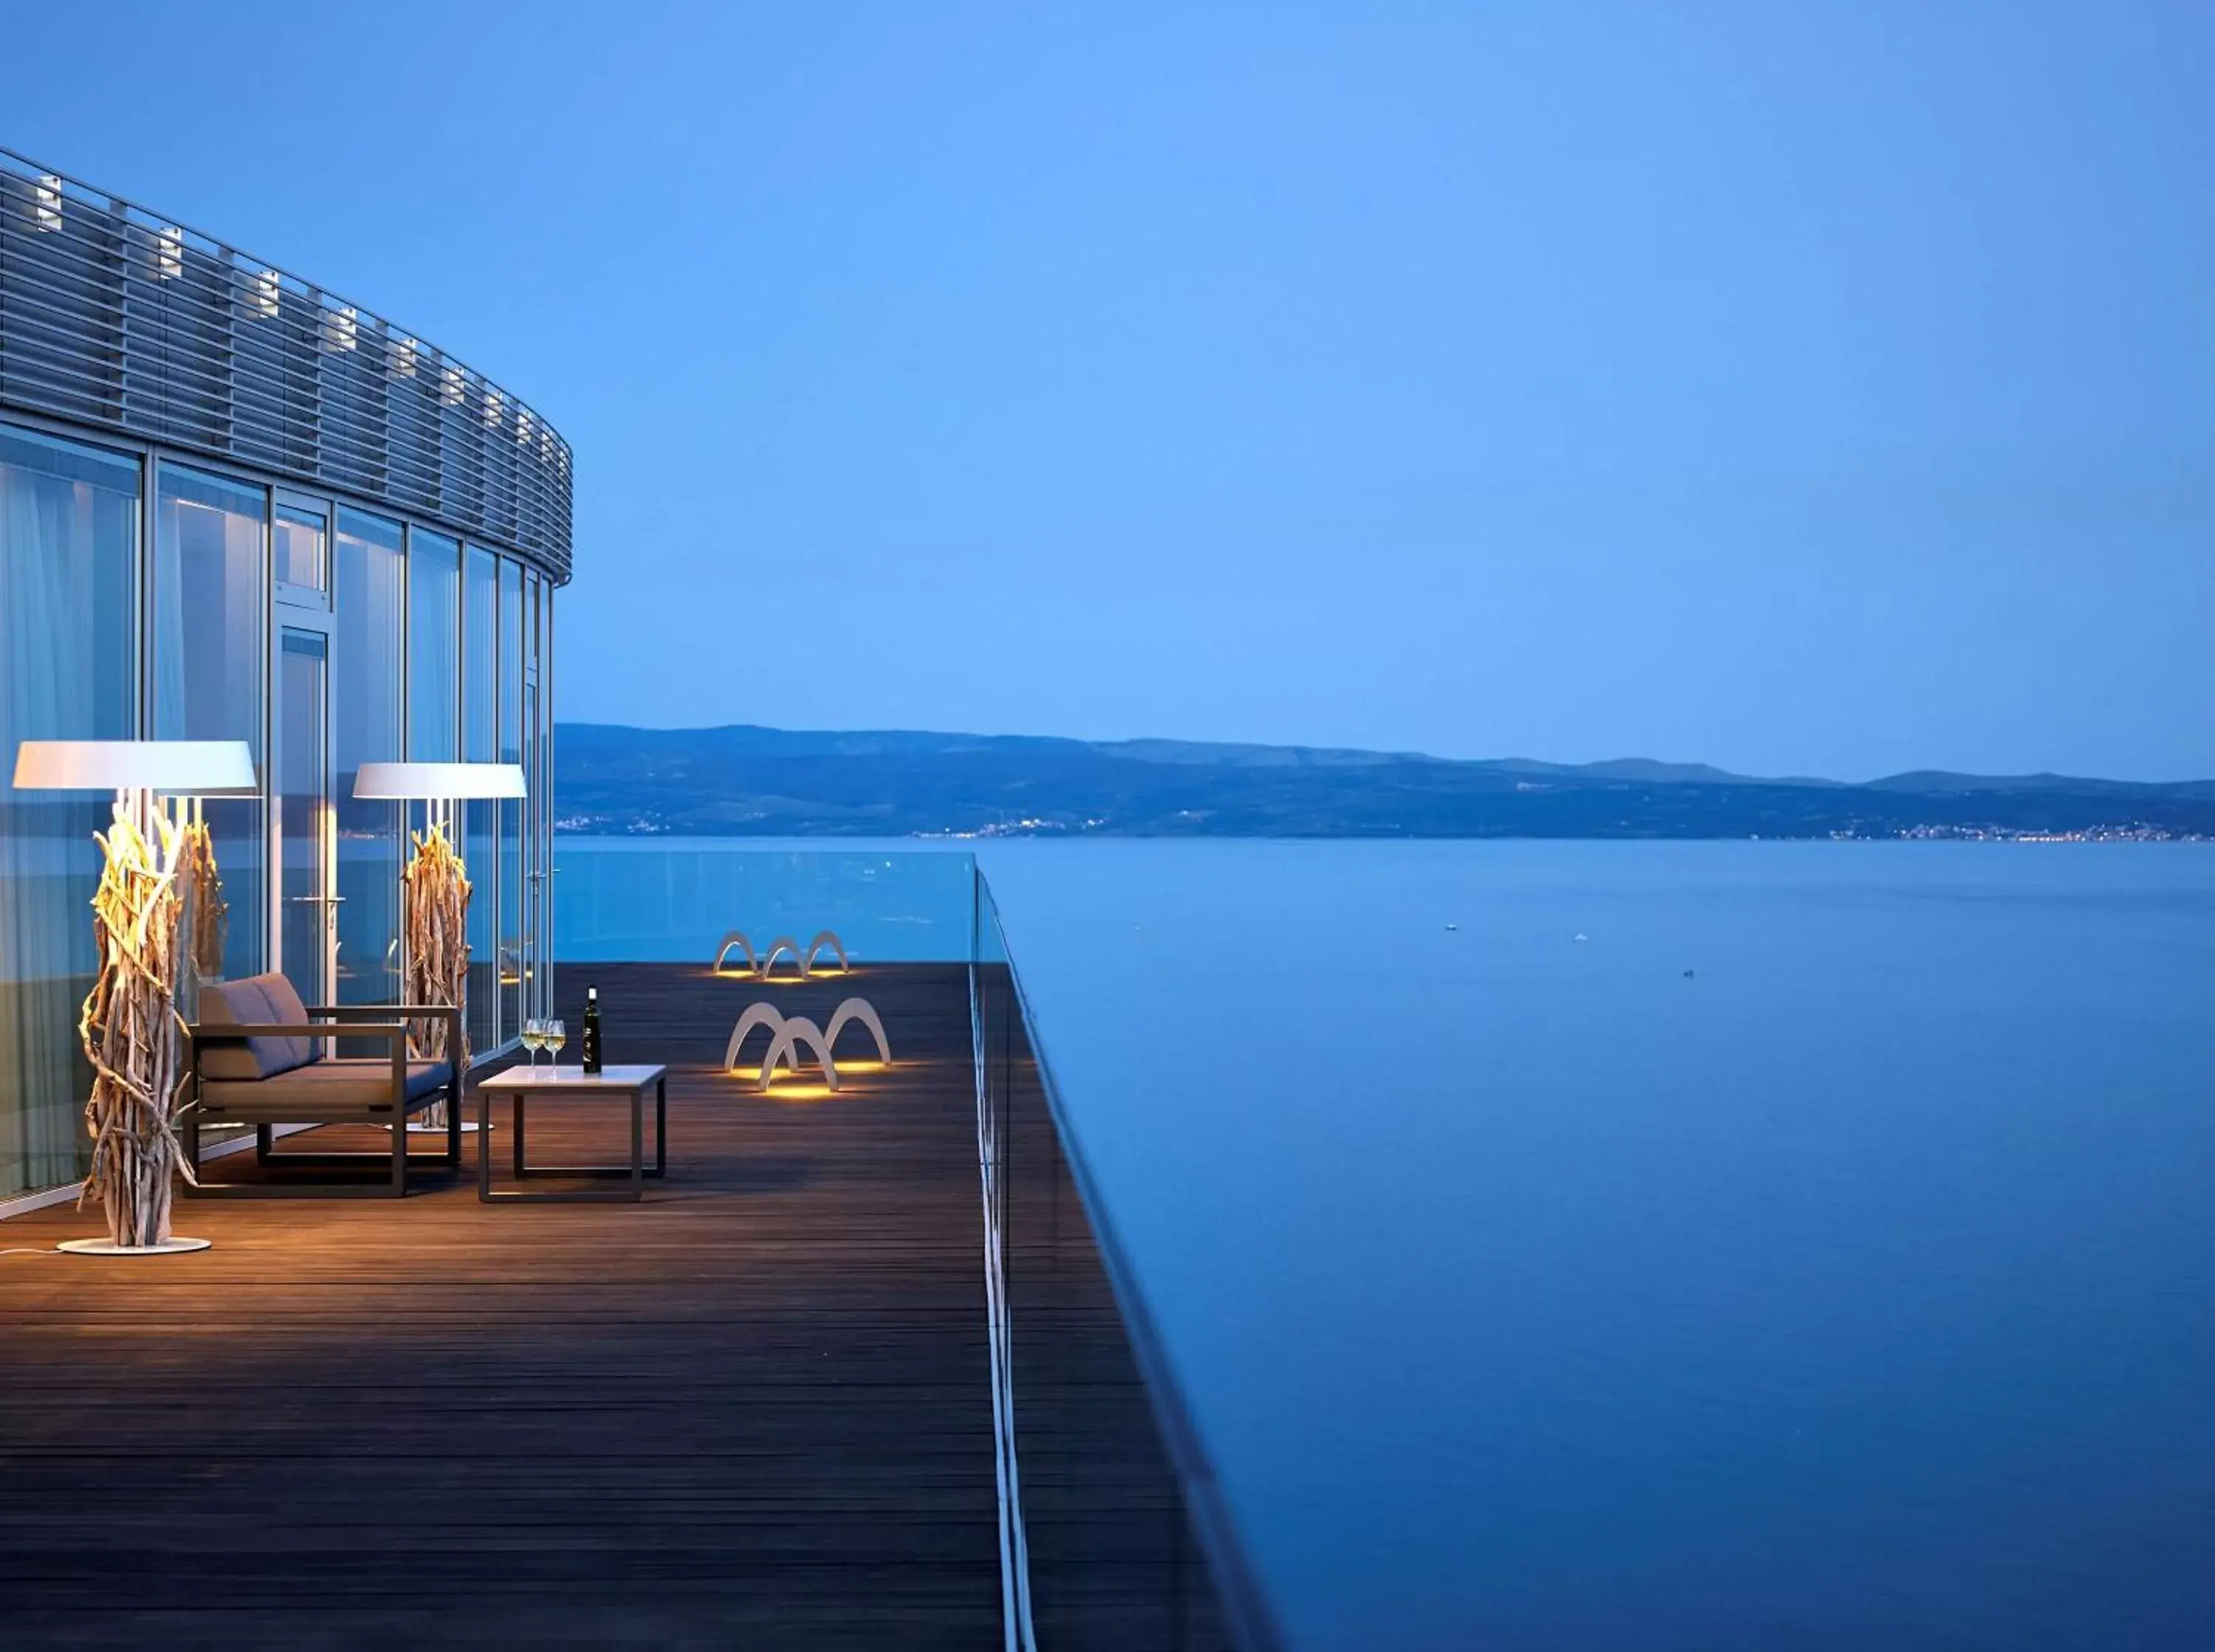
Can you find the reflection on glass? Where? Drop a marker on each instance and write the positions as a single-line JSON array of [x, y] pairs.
[[208, 662], [434, 636], [303, 759], [69, 549], [369, 574], [481, 745], [296, 548]]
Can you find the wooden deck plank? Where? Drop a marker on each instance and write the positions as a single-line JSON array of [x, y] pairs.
[[756, 1405]]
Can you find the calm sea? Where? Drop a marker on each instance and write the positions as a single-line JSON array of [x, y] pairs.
[[1656, 1246]]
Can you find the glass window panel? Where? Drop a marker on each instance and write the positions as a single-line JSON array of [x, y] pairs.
[[542, 792], [481, 745], [210, 658], [297, 548], [511, 812], [480, 659], [532, 585], [434, 640], [370, 578], [69, 554]]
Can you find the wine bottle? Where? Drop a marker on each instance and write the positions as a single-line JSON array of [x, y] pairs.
[[592, 1041]]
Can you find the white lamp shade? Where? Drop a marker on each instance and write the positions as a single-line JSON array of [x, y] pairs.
[[440, 781], [180, 767]]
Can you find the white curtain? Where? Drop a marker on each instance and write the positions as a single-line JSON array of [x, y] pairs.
[[67, 544]]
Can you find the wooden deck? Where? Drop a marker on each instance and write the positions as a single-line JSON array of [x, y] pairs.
[[753, 1410]]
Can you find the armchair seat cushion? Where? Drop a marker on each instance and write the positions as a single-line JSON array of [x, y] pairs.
[[324, 1090]]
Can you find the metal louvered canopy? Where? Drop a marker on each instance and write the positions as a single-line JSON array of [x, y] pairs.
[[117, 319]]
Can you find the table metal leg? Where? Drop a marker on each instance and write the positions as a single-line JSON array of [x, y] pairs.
[[661, 1127], [484, 1145], [638, 1142], [521, 1172]]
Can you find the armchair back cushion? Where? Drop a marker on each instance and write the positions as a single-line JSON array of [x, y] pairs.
[[266, 1000]]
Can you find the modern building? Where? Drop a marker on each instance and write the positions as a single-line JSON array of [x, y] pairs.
[[234, 505]]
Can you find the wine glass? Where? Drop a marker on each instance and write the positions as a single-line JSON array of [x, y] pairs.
[[534, 1039], [554, 1036]]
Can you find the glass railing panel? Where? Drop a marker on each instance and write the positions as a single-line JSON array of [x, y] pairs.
[[658, 900], [1123, 1539]]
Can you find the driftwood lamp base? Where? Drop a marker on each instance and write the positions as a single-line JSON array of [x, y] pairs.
[[131, 1033], [437, 918]]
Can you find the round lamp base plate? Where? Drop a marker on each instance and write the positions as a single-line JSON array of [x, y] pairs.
[[101, 1247]]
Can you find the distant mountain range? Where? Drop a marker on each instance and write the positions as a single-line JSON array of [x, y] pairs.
[[745, 781]]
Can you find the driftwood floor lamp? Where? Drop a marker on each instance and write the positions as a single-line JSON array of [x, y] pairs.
[[155, 846], [436, 890]]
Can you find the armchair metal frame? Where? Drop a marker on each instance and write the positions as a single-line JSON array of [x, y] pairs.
[[346, 1021]]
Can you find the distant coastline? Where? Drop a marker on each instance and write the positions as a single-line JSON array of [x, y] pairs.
[[742, 780]]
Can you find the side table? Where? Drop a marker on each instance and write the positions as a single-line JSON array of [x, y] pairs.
[[574, 1083]]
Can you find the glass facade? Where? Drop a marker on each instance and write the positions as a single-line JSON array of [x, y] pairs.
[[142, 595], [69, 558]]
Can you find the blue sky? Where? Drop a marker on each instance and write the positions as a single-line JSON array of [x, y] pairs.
[[1812, 388]]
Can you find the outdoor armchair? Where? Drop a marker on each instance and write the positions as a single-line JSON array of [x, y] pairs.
[[256, 1057]]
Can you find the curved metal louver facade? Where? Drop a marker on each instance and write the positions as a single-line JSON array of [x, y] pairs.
[[115, 319]]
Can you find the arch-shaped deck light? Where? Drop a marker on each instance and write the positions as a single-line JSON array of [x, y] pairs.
[[129, 1023], [757, 1015], [858, 1009], [435, 890], [798, 1030]]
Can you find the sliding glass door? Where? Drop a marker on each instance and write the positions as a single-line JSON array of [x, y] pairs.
[[301, 799]]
